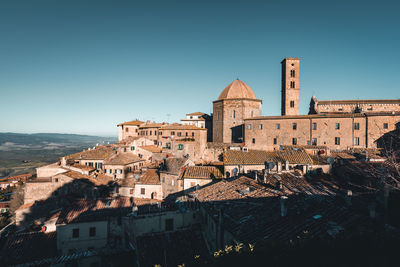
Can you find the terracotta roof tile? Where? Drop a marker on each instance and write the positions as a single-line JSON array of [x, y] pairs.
[[151, 176], [99, 153], [202, 172], [196, 114], [122, 159], [237, 89], [182, 127], [84, 210], [132, 123], [152, 148]]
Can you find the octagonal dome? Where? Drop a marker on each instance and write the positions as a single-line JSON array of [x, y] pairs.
[[237, 89]]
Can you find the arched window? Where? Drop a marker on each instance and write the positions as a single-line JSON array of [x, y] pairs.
[[292, 84], [234, 114], [292, 73]]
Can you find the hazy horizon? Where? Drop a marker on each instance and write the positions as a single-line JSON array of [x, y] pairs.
[[84, 66]]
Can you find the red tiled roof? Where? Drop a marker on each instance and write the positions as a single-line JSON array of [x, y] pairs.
[[151, 176], [132, 123], [122, 159], [182, 127], [99, 153], [202, 172], [152, 148], [237, 89], [90, 210], [196, 114]]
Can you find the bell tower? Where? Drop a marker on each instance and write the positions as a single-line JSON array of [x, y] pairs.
[[290, 86]]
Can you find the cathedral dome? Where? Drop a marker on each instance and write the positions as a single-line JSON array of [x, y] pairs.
[[237, 89]]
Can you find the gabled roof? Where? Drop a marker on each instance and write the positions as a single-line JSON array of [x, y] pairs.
[[86, 210], [251, 157], [122, 159], [173, 165], [196, 114], [237, 90], [152, 148], [131, 123], [202, 172], [259, 157], [182, 127], [150, 177], [99, 153]]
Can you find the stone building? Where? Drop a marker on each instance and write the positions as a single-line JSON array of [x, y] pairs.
[[236, 102], [290, 86], [336, 131], [183, 140], [127, 129], [354, 106], [337, 124]]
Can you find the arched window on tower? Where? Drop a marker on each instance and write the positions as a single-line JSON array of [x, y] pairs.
[[292, 84], [234, 114], [292, 73]]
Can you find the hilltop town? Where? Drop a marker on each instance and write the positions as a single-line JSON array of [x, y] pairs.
[[167, 194]]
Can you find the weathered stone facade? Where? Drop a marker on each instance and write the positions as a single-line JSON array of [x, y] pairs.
[[228, 118], [353, 106], [340, 131], [290, 86]]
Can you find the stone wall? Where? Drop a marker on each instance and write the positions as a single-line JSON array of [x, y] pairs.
[[316, 130]]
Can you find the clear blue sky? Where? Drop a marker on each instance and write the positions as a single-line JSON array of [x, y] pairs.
[[84, 66]]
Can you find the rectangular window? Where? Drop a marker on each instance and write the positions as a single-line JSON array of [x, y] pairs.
[[356, 141], [173, 182], [385, 126], [260, 126], [249, 126], [337, 140], [92, 231], [179, 134], [294, 141], [278, 126], [142, 191], [150, 132], [275, 141], [234, 114], [254, 140], [294, 125], [172, 133], [131, 191], [292, 84], [337, 126], [217, 115], [192, 134], [356, 126], [314, 126], [314, 141], [75, 233], [292, 104]]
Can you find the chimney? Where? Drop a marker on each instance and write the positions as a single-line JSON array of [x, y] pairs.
[[286, 165], [304, 169], [348, 197], [278, 167], [283, 206], [63, 162]]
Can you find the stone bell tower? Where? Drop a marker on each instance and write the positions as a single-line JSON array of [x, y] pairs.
[[290, 86]]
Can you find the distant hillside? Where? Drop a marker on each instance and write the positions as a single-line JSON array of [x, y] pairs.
[[21, 153]]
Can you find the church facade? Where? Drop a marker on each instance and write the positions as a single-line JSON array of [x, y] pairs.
[[337, 124]]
